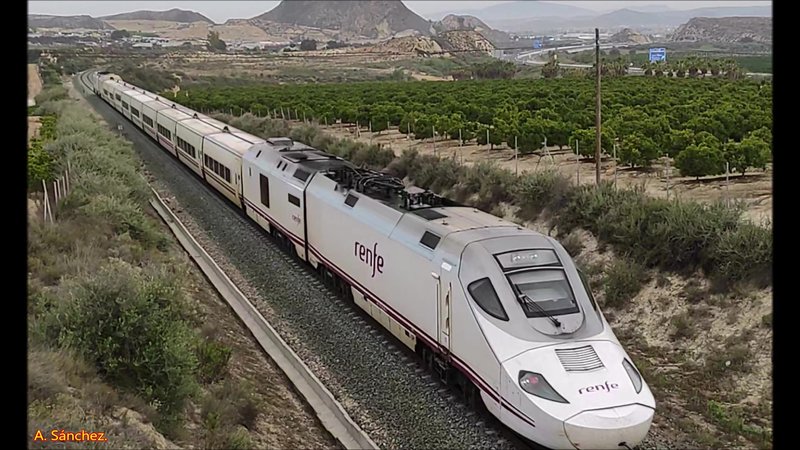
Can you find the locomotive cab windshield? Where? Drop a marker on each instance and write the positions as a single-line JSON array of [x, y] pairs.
[[542, 289], [530, 288]]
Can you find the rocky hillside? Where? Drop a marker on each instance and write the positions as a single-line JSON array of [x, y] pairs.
[[464, 41], [372, 19], [628, 35], [453, 22], [67, 22], [419, 45], [726, 30], [173, 15]]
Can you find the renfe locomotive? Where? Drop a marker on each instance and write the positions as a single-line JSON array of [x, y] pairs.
[[497, 310]]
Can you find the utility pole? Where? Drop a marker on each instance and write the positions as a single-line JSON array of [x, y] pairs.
[[597, 108], [516, 157]]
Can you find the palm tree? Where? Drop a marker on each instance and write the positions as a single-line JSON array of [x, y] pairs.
[[713, 67], [648, 68], [680, 69], [692, 66]]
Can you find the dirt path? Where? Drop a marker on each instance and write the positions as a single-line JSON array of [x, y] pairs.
[[34, 83], [754, 189]]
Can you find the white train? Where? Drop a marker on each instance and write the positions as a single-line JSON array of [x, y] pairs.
[[498, 310]]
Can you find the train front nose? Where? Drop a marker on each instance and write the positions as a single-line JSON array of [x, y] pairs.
[[609, 428]]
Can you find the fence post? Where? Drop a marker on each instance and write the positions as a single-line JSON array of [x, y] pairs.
[[44, 189], [727, 183], [668, 176], [434, 140]]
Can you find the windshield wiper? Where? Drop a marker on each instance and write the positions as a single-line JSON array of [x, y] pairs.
[[527, 301]]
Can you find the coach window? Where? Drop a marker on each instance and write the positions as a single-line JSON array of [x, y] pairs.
[[486, 297], [264, 190], [294, 200]]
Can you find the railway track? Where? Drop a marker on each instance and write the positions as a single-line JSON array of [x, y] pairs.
[[383, 386]]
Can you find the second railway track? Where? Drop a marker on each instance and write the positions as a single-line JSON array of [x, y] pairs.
[[383, 387]]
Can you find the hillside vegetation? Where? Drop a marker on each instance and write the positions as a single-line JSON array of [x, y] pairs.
[[718, 122], [124, 336]]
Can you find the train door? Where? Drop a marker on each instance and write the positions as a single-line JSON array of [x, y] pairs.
[[444, 296]]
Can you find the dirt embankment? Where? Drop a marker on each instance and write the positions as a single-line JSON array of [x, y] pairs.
[[34, 83]]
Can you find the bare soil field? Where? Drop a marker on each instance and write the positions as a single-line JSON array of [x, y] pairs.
[[326, 66], [33, 127], [662, 180], [196, 30], [34, 83]]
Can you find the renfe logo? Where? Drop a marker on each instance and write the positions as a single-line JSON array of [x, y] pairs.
[[600, 387], [370, 257]]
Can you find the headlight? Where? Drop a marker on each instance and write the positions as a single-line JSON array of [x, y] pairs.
[[535, 384], [636, 379]]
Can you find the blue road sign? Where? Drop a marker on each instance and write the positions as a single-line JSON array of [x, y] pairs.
[[537, 43], [658, 54]]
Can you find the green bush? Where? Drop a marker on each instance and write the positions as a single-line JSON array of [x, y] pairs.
[[536, 192], [742, 253], [624, 279], [127, 323], [52, 94], [41, 166], [227, 405], [212, 358]]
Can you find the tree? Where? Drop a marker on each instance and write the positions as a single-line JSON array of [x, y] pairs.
[[700, 160], [679, 140], [551, 69], [335, 44], [638, 149], [380, 122], [763, 133], [495, 137], [215, 43], [586, 137], [308, 45], [751, 152], [423, 127], [119, 34]]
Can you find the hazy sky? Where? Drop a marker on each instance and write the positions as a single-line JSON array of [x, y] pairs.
[[220, 11]]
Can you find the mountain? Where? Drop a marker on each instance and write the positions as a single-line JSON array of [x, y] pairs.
[[629, 17], [453, 22], [173, 15], [522, 9], [67, 22], [373, 19], [626, 17], [725, 29], [627, 35]]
